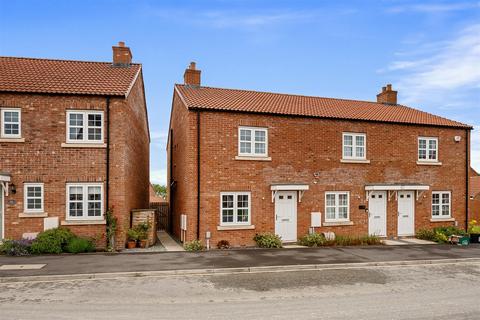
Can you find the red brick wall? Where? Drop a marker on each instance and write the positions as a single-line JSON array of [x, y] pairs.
[[300, 147], [183, 143], [41, 158]]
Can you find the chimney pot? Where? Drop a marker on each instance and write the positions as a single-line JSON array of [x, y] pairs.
[[387, 96], [122, 56], [191, 76]]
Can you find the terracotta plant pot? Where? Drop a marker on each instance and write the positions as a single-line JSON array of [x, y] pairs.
[[131, 244], [143, 243]]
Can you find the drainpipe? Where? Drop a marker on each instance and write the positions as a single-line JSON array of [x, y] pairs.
[[107, 160], [198, 175], [467, 177]]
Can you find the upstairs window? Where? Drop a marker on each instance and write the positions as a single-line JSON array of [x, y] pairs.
[[85, 126], [354, 146], [11, 123], [428, 149], [235, 208], [252, 142], [441, 204]]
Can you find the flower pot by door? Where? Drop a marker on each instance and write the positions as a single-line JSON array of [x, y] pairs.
[[131, 244]]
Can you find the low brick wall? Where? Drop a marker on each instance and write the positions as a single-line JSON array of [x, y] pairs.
[[146, 215]]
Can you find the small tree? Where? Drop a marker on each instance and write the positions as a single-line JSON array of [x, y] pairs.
[[160, 190]]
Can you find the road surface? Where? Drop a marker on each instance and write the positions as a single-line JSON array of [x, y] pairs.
[[442, 291]]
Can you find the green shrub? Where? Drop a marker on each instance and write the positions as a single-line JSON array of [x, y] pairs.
[[16, 247], [473, 227], [370, 240], [132, 234], [440, 237], [449, 231], [52, 241], [426, 234], [312, 240], [80, 245], [142, 230], [268, 240], [195, 245]]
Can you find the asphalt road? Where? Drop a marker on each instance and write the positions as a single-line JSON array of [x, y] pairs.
[[442, 291]]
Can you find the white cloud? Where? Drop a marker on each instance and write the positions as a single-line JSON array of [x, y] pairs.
[[475, 146], [158, 176], [433, 7], [159, 139], [454, 65]]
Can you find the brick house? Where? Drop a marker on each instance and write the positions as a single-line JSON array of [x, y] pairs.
[[243, 162], [74, 142], [474, 195]]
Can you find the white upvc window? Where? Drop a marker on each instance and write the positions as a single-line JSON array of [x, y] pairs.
[[84, 126], [235, 208], [84, 201], [337, 206], [354, 146], [428, 149], [11, 122], [252, 142], [441, 204], [33, 197]]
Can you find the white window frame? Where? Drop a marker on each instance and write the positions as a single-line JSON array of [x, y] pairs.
[[235, 208], [441, 204], [85, 126], [26, 197], [337, 206], [354, 146], [2, 133], [252, 142], [427, 149], [84, 201]]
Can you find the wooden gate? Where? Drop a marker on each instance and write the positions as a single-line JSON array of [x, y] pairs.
[[163, 216]]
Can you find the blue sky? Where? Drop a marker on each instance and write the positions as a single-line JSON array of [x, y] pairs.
[[428, 50]]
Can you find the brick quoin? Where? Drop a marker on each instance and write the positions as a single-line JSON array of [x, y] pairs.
[[41, 158], [306, 150]]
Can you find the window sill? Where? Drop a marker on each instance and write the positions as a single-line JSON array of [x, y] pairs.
[[82, 222], [33, 215], [354, 161], [253, 158], [442, 220], [338, 223], [14, 140], [239, 227], [84, 145], [426, 163]]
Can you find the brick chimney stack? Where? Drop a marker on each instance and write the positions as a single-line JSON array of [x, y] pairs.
[[192, 75], [387, 96], [122, 56]]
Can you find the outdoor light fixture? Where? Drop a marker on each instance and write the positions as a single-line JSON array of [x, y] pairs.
[[13, 188]]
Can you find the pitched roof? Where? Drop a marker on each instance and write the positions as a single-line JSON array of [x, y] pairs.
[[208, 98], [65, 76]]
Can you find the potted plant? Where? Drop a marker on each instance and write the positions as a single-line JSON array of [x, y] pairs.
[[132, 236], [474, 231], [142, 230]]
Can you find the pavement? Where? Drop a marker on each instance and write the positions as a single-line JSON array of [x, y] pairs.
[[268, 259], [435, 291]]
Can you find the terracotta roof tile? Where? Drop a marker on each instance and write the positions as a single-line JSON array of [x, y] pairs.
[[285, 104], [65, 76]]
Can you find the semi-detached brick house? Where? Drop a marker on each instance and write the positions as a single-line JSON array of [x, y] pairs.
[[244, 162], [74, 141]]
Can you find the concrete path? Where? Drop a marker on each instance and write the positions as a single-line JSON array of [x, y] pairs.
[[138, 262], [168, 242]]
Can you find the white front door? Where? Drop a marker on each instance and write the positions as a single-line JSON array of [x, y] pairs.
[[377, 213], [406, 213], [1, 212], [286, 215]]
